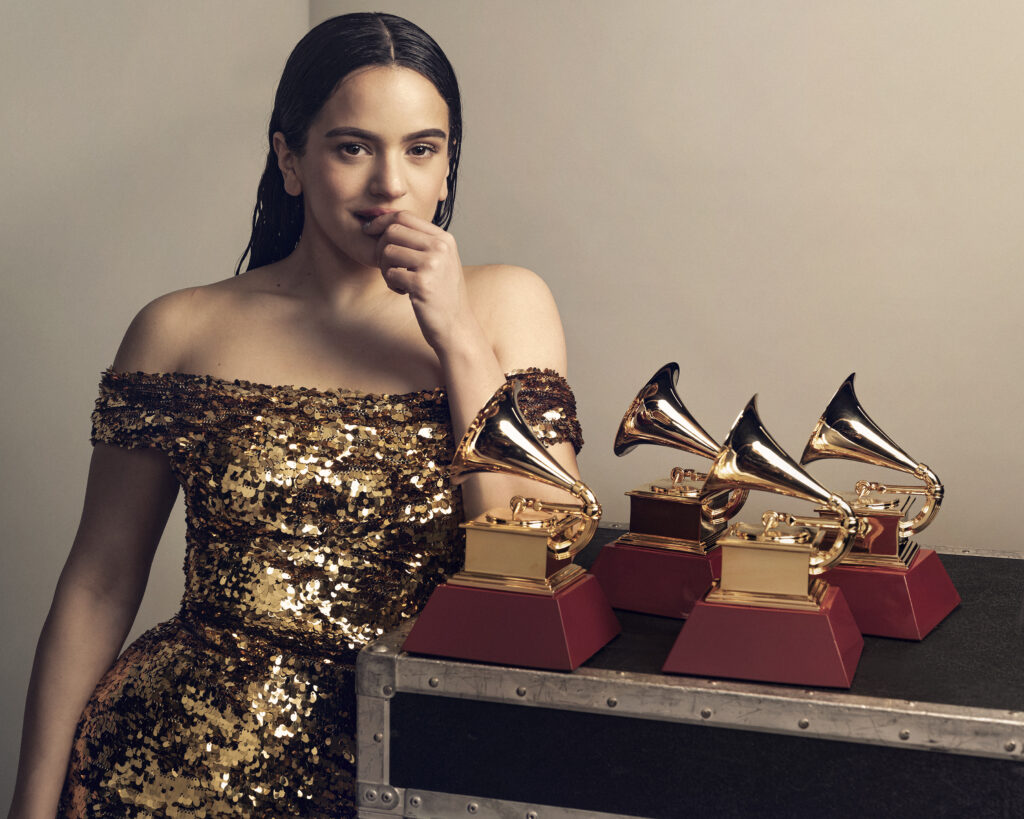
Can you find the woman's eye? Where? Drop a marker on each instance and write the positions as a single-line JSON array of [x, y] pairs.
[[351, 149], [422, 150]]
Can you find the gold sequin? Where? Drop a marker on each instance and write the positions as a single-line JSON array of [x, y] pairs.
[[317, 521]]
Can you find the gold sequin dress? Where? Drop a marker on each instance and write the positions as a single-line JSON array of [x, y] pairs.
[[317, 521]]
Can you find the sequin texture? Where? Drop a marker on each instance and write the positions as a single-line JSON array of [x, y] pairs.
[[317, 521]]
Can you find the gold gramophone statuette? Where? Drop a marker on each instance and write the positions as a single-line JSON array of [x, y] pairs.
[[777, 564], [528, 546], [846, 431], [772, 616], [679, 513]]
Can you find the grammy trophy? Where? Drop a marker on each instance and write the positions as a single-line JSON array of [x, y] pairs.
[[668, 559], [771, 617], [519, 600], [894, 588]]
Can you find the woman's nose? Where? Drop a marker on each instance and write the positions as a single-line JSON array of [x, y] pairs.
[[388, 179]]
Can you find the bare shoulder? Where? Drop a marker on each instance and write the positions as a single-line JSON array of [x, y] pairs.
[[519, 314], [499, 281], [162, 334]]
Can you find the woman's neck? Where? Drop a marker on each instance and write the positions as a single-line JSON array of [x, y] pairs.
[[317, 271]]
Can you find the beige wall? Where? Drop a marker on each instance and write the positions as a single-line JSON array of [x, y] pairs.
[[133, 138], [773, 194]]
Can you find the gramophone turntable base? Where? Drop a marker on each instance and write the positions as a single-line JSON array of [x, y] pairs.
[[770, 645], [894, 602], [557, 632], [655, 581]]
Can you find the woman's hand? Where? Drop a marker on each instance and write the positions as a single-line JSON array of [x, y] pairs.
[[419, 259]]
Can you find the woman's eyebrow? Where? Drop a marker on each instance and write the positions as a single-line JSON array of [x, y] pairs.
[[359, 133]]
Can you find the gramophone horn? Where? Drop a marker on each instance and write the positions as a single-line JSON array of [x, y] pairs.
[[500, 440], [751, 459], [658, 416], [845, 430]]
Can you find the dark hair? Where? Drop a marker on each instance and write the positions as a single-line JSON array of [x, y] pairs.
[[322, 59]]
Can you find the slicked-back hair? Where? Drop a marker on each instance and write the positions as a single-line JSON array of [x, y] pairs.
[[318, 63]]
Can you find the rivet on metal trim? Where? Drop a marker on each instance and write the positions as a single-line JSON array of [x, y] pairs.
[[612, 702], [521, 691], [370, 795], [904, 734], [1010, 746], [388, 690], [414, 801], [705, 713], [386, 797], [804, 723], [433, 682], [532, 814], [472, 807], [378, 737]]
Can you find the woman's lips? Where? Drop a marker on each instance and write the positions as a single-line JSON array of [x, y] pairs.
[[368, 215]]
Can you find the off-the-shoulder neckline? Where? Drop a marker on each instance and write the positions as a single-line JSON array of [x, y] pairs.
[[336, 392]]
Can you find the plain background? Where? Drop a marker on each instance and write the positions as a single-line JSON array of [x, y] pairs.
[[772, 194]]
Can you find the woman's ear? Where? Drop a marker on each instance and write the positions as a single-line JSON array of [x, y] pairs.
[[287, 161], [443, 194]]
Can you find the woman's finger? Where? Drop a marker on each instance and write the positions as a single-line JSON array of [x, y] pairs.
[[399, 234], [403, 218], [399, 279], [390, 255]]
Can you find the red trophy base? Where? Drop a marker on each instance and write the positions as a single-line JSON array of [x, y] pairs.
[[904, 603], [558, 632], [655, 581], [800, 647]]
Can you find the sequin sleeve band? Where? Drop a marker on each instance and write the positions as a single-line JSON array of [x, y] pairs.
[[134, 410], [549, 405]]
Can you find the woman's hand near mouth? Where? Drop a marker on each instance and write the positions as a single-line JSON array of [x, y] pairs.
[[419, 259]]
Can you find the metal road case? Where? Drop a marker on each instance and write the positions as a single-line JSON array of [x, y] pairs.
[[933, 729]]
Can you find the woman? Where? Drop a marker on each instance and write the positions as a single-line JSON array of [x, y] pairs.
[[318, 517]]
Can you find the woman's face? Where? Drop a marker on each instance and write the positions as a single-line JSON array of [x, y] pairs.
[[379, 144]]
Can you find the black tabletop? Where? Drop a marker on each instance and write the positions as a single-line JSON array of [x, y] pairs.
[[971, 659]]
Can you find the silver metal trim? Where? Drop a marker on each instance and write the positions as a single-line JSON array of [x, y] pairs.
[[375, 667], [375, 799], [723, 704], [421, 804], [968, 550], [373, 732], [375, 684]]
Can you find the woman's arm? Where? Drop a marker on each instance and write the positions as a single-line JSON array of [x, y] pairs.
[[502, 320], [127, 501], [128, 497]]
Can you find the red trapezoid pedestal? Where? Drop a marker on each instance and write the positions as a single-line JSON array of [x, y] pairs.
[[904, 603], [655, 581], [557, 632], [793, 646]]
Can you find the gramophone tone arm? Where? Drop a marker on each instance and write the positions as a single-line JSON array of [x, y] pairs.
[[576, 528], [824, 524], [845, 525], [823, 560], [933, 491], [736, 500]]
